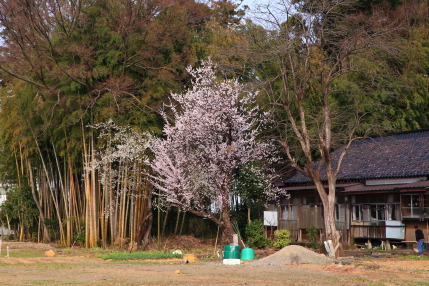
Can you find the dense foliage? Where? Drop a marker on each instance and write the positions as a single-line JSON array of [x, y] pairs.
[[313, 236], [21, 211], [281, 238], [255, 236], [83, 82]]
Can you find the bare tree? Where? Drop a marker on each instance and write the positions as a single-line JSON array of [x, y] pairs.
[[308, 50]]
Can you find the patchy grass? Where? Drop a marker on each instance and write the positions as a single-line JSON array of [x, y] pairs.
[[24, 253], [200, 250], [415, 257], [145, 262], [87, 252], [139, 255], [415, 283]]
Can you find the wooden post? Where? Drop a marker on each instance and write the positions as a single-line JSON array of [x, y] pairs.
[[388, 246], [235, 239]]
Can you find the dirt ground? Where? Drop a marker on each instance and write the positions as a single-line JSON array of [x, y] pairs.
[[79, 269]]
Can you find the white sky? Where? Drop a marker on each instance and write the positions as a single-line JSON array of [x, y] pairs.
[[253, 14], [251, 3]]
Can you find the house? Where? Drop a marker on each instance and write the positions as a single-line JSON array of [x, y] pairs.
[[382, 192]]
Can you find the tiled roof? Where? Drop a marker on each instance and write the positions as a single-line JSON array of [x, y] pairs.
[[359, 188], [393, 156]]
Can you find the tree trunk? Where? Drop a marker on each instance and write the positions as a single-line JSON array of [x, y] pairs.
[[183, 222], [45, 232], [177, 221], [331, 230], [143, 231], [226, 226], [328, 202], [165, 222], [248, 215]]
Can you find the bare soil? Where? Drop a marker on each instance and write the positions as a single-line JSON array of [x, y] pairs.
[[76, 268]]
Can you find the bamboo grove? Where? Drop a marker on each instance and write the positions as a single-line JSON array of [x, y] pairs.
[[83, 83], [69, 65]]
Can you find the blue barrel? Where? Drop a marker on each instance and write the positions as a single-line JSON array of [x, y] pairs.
[[247, 254]]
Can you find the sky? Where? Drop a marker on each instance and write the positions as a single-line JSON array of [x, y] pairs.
[[251, 3], [252, 12]]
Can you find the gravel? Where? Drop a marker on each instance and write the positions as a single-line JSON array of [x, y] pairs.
[[293, 254]]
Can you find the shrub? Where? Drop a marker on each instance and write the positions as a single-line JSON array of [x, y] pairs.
[[80, 237], [255, 235], [312, 236], [281, 238]]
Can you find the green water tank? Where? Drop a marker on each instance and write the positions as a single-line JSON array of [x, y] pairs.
[[231, 251], [247, 254]]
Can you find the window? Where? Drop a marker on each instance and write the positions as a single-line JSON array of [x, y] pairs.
[[290, 212], [341, 212], [357, 212], [426, 206], [290, 207], [378, 212], [415, 205], [411, 206], [393, 212], [373, 212]]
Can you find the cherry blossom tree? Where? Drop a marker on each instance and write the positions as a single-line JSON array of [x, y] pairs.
[[211, 132]]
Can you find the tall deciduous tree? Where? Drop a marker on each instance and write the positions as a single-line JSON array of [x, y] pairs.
[[310, 50], [213, 131]]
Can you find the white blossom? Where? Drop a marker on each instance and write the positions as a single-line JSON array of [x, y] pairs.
[[124, 154], [214, 131]]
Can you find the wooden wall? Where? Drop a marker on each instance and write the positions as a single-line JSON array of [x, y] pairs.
[[410, 234], [310, 216]]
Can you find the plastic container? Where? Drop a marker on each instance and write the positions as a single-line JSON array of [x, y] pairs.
[[247, 254], [231, 251]]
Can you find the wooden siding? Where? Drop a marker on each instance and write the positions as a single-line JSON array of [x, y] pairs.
[[341, 225], [310, 216], [368, 231]]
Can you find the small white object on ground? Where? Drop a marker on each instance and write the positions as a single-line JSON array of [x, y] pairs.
[[231, 261]]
